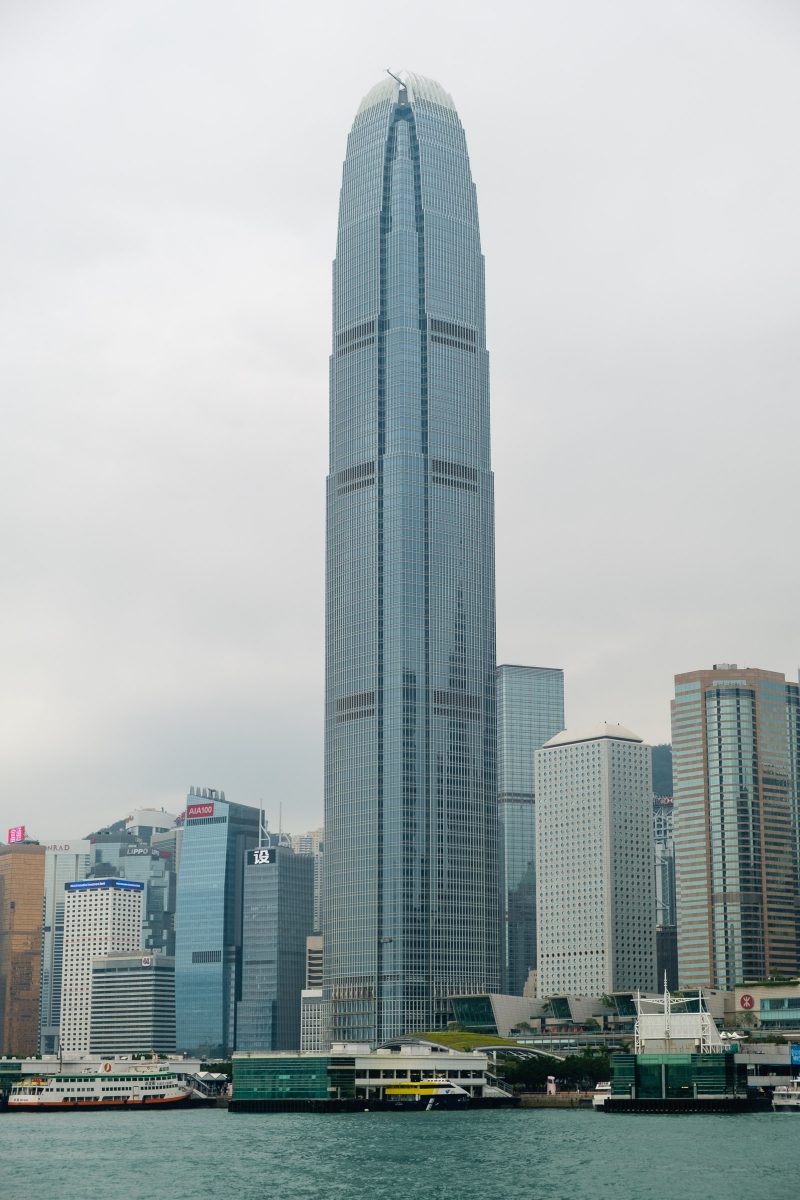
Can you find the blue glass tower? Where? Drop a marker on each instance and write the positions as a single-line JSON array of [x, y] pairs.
[[411, 911], [208, 921]]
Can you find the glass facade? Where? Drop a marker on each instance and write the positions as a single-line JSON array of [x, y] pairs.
[[208, 922], [735, 826], [125, 855], [21, 903], [530, 710], [278, 916], [410, 910]]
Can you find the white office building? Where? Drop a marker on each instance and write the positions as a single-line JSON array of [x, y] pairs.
[[100, 916], [64, 862], [595, 887]]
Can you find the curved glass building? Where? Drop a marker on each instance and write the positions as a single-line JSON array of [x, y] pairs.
[[411, 901]]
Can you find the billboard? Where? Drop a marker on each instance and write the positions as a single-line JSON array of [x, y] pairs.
[[199, 810], [794, 1054], [16, 834], [259, 856], [85, 885]]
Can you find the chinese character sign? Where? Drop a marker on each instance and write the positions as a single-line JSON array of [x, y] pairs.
[[17, 834]]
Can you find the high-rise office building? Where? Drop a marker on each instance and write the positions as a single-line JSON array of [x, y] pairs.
[[277, 919], [411, 909], [130, 855], [313, 843], [208, 920], [594, 879], [666, 906], [734, 739], [64, 862], [530, 710], [133, 1004], [662, 769], [21, 901], [100, 916]]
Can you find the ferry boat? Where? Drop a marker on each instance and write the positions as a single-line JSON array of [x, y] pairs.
[[601, 1093], [786, 1097], [110, 1086], [436, 1092]]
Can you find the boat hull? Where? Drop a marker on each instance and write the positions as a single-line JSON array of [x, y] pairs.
[[100, 1105]]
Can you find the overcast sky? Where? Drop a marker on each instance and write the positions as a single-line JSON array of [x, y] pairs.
[[168, 199]]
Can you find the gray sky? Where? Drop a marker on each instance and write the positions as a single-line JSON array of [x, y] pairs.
[[170, 178]]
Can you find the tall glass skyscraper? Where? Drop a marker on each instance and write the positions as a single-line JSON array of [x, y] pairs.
[[278, 917], [735, 749], [208, 920], [411, 910], [530, 710]]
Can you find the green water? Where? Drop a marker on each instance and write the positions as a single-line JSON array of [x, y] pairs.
[[556, 1155]]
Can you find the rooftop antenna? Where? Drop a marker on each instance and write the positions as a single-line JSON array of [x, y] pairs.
[[397, 79], [262, 824]]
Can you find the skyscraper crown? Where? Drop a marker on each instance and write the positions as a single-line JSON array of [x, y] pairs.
[[417, 87]]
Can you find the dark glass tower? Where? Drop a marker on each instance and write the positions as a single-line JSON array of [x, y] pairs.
[[530, 710], [411, 901], [278, 916]]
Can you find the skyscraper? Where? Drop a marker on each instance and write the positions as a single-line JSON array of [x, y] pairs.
[[208, 920], [64, 863], [278, 916], [735, 752], [595, 888], [21, 902], [411, 910], [100, 916], [129, 856], [666, 910], [530, 710]]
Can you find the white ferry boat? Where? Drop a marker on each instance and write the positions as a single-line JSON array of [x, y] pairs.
[[786, 1097], [601, 1093], [436, 1092], [111, 1086]]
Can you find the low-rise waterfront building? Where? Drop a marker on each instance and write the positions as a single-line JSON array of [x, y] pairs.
[[771, 1005], [680, 1060], [353, 1070]]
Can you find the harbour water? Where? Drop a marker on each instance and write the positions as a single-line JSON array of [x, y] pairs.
[[530, 1154]]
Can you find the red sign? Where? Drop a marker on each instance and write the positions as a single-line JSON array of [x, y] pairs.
[[17, 834], [746, 1001], [199, 810]]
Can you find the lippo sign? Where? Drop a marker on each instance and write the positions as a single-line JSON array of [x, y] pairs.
[[199, 810]]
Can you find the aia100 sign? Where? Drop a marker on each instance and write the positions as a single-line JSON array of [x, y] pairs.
[[17, 834]]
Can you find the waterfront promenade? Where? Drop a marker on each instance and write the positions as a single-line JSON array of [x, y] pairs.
[[530, 1154]]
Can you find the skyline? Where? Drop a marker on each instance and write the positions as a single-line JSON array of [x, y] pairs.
[[166, 309]]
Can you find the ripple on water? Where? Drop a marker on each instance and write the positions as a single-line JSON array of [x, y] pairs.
[[559, 1155]]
